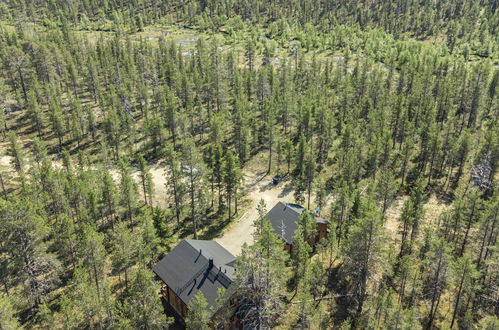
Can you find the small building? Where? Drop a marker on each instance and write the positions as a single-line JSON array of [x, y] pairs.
[[192, 266], [284, 217]]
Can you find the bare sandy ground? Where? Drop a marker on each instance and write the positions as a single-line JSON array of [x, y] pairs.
[[159, 180], [5, 160]]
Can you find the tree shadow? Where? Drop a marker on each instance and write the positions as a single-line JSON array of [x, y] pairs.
[[286, 190], [341, 289]]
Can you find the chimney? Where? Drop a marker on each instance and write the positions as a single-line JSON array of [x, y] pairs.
[[210, 263]]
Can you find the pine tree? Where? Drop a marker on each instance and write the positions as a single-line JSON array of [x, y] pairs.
[[194, 167], [151, 244], [45, 317], [385, 190], [300, 255], [465, 274], [175, 174], [340, 211], [259, 276], [112, 130], [88, 304], [218, 170], [66, 239], [93, 257], [198, 316], [306, 304], [16, 152], [142, 307], [128, 189], [110, 198], [412, 213], [125, 250], [25, 232], [436, 272], [232, 179], [3, 108], [35, 112], [309, 175], [146, 181], [56, 120], [7, 319], [363, 251], [320, 193]]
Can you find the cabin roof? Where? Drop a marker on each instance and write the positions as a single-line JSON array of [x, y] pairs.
[[197, 265], [284, 218]]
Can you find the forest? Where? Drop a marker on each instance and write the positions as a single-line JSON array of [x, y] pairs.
[[128, 126]]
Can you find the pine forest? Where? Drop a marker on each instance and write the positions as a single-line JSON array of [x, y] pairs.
[[249, 164]]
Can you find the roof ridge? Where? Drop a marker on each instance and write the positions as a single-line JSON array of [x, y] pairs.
[[200, 251], [193, 278]]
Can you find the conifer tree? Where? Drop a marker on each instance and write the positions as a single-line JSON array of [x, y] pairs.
[[124, 250], [146, 181], [436, 272], [464, 275], [195, 172], [93, 257], [260, 268], [363, 261], [128, 189], [110, 198], [7, 319], [25, 232], [232, 179], [198, 316], [142, 307], [35, 112], [385, 190], [177, 187], [16, 152]]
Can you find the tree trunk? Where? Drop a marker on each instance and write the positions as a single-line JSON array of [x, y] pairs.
[[144, 189], [456, 306], [465, 241], [436, 294], [4, 191], [270, 151], [193, 211]]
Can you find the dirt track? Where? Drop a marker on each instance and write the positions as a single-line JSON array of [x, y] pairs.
[[258, 186]]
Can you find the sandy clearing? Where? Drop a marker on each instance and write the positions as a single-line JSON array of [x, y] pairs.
[[157, 172], [433, 209], [5, 159], [391, 222]]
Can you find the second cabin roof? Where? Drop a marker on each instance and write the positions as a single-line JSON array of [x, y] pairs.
[[284, 218]]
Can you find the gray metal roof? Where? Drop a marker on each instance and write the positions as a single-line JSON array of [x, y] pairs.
[[284, 218], [187, 270]]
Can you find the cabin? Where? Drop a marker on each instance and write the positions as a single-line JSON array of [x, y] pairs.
[[192, 266], [284, 218]]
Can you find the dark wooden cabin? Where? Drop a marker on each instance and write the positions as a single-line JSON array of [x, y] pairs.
[[284, 218], [192, 266]]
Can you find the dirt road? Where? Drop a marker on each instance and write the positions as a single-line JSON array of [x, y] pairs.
[[258, 186]]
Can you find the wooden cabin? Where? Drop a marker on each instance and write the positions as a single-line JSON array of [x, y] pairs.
[[284, 218], [192, 266]]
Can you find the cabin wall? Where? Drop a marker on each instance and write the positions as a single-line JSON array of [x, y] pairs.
[[321, 231], [174, 301]]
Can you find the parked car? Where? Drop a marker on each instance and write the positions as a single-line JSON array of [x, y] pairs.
[[276, 180]]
